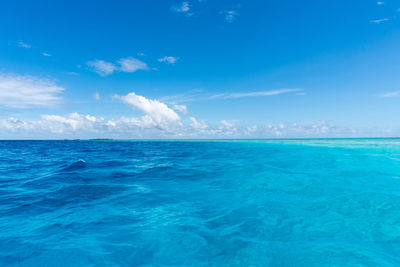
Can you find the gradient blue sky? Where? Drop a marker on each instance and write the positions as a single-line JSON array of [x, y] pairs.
[[242, 69]]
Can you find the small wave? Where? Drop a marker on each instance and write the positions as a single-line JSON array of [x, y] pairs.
[[158, 169], [80, 164], [113, 163]]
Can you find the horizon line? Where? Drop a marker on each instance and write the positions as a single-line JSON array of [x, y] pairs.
[[205, 139]]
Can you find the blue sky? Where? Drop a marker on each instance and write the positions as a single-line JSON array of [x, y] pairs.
[[199, 69]]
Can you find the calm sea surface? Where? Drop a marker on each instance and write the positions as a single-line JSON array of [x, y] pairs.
[[200, 203]]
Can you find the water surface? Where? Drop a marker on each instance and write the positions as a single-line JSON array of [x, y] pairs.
[[200, 203]]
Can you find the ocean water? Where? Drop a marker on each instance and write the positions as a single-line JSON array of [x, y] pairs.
[[200, 203]]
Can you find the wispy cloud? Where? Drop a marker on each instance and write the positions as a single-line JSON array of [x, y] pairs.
[[101, 67], [183, 7], [96, 96], [230, 15], [168, 59], [390, 94], [24, 45], [46, 54], [378, 21], [193, 95], [301, 93], [24, 91], [72, 73], [254, 94], [180, 108], [379, 3], [201, 95], [129, 64]]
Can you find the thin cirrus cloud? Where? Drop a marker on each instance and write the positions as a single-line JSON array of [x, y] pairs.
[[390, 94], [379, 21], [129, 64], [28, 46], [168, 59], [255, 94], [72, 73], [24, 91], [23, 45], [200, 95]]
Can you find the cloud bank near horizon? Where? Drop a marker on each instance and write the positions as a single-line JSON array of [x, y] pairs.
[[159, 119]]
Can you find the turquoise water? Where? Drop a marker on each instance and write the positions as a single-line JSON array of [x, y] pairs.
[[200, 203]]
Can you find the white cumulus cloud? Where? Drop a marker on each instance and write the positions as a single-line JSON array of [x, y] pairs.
[[24, 91], [72, 122], [202, 125], [156, 111], [227, 128], [77, 125], [251, 129]]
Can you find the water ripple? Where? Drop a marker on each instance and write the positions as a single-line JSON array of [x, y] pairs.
[[200, 203]]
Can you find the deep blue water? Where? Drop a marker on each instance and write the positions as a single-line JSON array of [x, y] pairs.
[[200, 203]]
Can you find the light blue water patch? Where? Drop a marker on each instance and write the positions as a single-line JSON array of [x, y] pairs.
[[200, 203]]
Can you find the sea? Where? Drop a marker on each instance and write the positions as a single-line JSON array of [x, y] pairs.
[[321, 202]]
